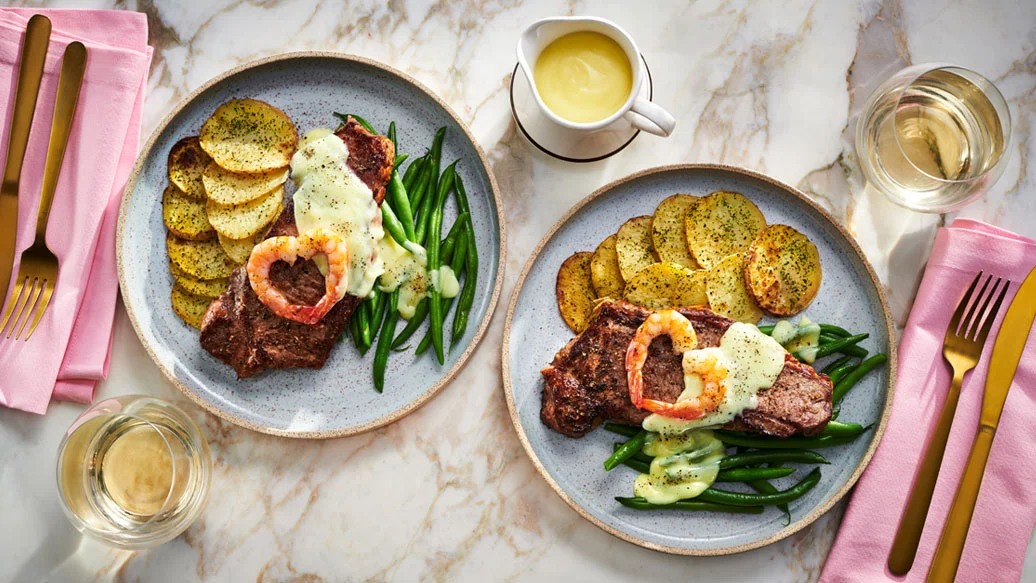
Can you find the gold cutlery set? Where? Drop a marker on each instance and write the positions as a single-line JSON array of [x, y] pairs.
[[38, 271], [962, 347]]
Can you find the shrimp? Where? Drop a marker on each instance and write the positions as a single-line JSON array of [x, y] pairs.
[[288, 249], [678, 328]]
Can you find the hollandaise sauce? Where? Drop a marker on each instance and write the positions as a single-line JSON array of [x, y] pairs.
[[332, 196], [745, 362], [685, 465], [583, 76]]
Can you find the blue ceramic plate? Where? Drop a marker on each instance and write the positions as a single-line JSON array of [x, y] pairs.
[[338, 399], [849, 296]]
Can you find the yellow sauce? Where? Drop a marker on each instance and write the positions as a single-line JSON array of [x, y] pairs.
[[583, 76], [405, 271], [752, 360], [684, 466], [445, 282], [330, 195]]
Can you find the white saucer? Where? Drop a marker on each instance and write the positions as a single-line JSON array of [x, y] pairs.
[[563, 144]]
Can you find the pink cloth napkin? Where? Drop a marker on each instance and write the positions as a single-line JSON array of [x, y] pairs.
[[1005, 513], [69, 351]]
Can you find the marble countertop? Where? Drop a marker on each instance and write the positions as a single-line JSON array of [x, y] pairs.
[[447, 493]]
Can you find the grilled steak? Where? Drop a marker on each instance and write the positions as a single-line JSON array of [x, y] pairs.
[[242, 332], [586, 382]]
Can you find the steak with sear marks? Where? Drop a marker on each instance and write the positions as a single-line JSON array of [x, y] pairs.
[[586, 382], [242, 332]]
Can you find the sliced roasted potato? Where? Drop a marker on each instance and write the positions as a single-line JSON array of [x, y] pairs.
[[667, 285], [782, 270], [575, 290], [721, 224], [187, 162], [200, 259], [210, 288], [184, 216], [190, 307], [727, 293], [240, 249], [669, 230], [226, 187], [634, 247], [604, 270], [248, 135], [240, 221]]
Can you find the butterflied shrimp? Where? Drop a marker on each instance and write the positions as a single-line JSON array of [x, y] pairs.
[[669, 322], [289, 249]]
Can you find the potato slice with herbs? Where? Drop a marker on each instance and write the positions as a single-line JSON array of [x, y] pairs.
[[241, 221], [634, 247], [226, 187], [669, 231], [190, 307], [210, 288], [201, 259], [604, 270], [782, 270], [575, 291], [187, 162], [184, 216], [721, 224], [248, 135], [667, 285], [240, 249], [727, 293]]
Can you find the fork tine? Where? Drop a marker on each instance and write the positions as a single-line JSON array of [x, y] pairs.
[[16, 291], [48, 290], [15, 305], [34, 297], [988, 324], [27, 286], [969, 318], [961, 307], [975, 321]]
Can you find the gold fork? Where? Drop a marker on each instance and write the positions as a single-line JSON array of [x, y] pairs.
[[962, 348], [38, 271]]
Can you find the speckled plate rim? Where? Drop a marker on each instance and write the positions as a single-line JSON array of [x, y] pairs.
[[801, 522], [416, 403]]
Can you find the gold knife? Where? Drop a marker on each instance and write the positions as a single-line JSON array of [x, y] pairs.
[[1007, 352], [30, 73]]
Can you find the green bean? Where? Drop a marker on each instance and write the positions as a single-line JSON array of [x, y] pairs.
[[425, 344], [839, 345], [752, 474], [840, 372], [397, 196], [411, 173], [378, 312], [381, 352], [457, 265], [834, 330], [467, 292], [638, 503], [771, 455], [400, 158], [420, 312], [619, 428], [835, 412], [435, 261], [768, 329], [450, 241], [639, 456], [814, 442], [635, 444], [391, 135], [850, 380], [364, 314], [638, 465], [839, 428], [421, 182], [834, 365], [765, 487], [781, 497], [392, 224], [354, 329], [345, 118], [849, 350], [427, 201]]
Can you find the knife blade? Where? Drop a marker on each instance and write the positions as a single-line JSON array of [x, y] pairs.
[[1007, 353], [30, 74]]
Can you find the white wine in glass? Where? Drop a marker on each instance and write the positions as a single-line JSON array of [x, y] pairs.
[[933, 137]]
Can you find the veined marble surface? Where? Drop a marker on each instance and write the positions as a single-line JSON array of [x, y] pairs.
[[447, 493]]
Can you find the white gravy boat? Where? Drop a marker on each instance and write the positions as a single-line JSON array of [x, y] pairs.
[[640, 112]]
